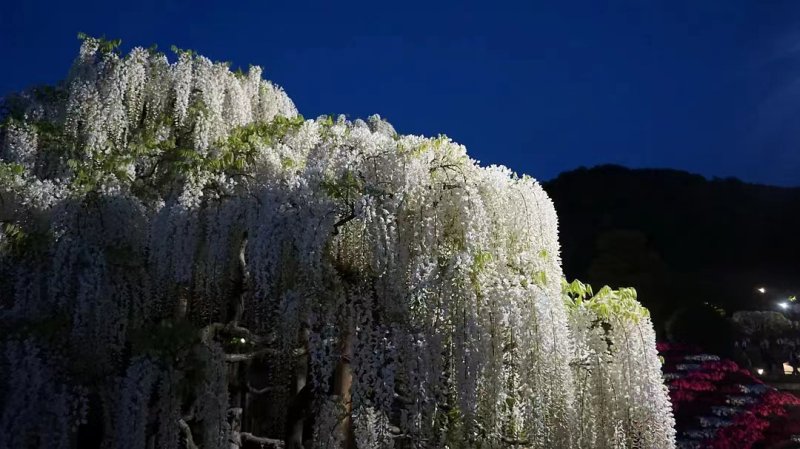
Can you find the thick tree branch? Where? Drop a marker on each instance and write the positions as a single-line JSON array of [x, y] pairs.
[[263, 351], [344, 221], [233, 358], [515, 441], [254, 390], [238, 438], [209, 332], [267, 443], [187, 432]]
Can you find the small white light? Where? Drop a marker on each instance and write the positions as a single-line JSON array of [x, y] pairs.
[[760, 371], [783, 305], [761, 290], [242, 340]]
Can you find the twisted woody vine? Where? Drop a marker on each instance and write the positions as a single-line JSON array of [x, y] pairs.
[[186, 262]]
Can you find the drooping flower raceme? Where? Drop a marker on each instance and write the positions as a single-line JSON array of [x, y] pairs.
[[621, 400]]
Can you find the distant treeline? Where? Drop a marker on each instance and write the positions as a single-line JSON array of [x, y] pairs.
[[680, 239]]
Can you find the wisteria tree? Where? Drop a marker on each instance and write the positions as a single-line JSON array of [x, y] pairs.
[[186, 262]]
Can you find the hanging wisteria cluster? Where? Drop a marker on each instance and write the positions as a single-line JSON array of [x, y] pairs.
[[621, 399], [185, 262]]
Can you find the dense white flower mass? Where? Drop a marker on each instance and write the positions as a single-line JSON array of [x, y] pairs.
[[185, 262], [620, 390]]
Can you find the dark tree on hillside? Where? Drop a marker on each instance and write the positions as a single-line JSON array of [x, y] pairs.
[[626, 257]]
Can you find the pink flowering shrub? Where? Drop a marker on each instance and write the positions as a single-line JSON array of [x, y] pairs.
[[692, 385], [753, 412]]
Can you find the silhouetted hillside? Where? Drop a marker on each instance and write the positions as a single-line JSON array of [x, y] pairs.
[[679, 238]]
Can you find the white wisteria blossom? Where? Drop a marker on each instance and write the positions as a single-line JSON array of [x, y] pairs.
[[186, 262], [621, 397]]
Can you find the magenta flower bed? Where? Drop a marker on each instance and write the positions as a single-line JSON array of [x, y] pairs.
[[719, 405]]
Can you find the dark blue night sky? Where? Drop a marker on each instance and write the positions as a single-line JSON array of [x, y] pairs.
[[712, 87]]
